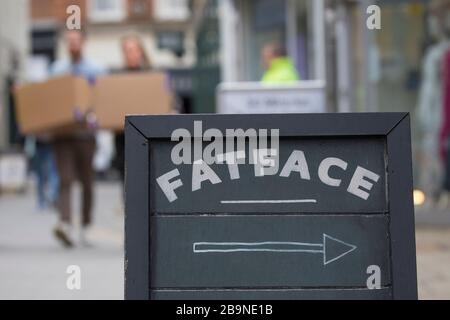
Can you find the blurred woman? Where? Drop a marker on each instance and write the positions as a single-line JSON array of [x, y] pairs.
[[135, 56], [135, 60]]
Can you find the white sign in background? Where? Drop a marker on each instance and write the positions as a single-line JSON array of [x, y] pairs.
[[249, 97], [13, 171]]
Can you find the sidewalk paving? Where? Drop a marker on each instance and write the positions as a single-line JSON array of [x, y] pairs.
[[33, 265], [433, 262]]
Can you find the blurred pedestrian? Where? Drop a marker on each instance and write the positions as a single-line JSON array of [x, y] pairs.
[[135, 60], [445, 128], [430, 111], [37, 148], [74, 152], [46, 174], [279, 67]]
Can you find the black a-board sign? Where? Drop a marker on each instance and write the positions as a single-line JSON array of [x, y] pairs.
[[323, 209]]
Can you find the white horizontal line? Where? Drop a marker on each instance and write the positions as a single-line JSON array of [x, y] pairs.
[[270, 201], [256, 250], [266, 246], [257, 243]]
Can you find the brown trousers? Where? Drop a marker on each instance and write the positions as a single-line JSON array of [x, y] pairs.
[[74, 156]]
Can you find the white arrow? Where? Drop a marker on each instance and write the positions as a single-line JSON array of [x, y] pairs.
[[331, 248]]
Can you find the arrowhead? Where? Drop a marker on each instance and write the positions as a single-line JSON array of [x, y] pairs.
[[335, 249]]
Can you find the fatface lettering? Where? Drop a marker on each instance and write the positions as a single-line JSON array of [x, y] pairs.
[[296, 162], [360, 185], [169, 187], [324, 168], [359, 181], [203, 151], [202, 172]]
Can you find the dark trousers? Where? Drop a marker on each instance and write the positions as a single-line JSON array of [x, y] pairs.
[[74, 158], [119, 161], [47, 174]]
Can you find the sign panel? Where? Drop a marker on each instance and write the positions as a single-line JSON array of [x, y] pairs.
[[255, 97], [13, 171], [298, 206]]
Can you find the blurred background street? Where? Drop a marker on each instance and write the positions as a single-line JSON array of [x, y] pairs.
[[205, 56], [433, 256], [33, 265]]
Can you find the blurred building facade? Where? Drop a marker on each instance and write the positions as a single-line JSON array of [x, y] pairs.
[[204, 42], [330, 40], [165, 27], [31, 38], [364, 69], [14, 46], [247, 25]]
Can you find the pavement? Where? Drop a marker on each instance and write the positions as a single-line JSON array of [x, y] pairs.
[[433, 251], [34, 266]]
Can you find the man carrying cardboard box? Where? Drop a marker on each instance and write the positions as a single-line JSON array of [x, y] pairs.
[[75, 151]]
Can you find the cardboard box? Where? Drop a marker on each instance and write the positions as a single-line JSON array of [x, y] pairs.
[[61, 105], [116, 96], [46, 107]]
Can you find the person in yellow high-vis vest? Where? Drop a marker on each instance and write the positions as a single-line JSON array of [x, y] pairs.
[[279, 67]]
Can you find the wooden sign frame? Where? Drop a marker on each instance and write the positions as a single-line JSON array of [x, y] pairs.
[[140, 131]]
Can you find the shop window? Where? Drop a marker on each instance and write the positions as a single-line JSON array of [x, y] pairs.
[[171, 10], [107, 10]]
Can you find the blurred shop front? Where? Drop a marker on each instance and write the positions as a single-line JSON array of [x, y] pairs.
[[398, 68], [246, 26], [364, 69], [328, 39], [322, 37], [400, 49]]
